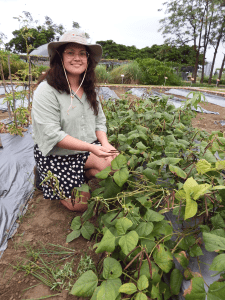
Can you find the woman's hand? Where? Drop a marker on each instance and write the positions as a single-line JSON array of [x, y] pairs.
[[114, 152], [100, 151]]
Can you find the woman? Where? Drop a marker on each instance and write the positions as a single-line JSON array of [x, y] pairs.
[[69, 128]]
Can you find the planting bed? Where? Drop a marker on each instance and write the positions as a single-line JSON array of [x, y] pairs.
[[49, 222]]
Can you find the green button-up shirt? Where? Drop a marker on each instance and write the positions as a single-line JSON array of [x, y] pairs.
[[51, 122]]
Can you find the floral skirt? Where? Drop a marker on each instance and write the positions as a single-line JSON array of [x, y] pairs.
[[67, 171]]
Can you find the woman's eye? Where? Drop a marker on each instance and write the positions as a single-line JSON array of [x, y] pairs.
[[83, 53], [71, 53]]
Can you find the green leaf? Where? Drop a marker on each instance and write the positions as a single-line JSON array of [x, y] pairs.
[[196, 290], [144, 229], [89, 212], [83, 188], [152, 216], [155, 293], [76, 223], [109, 289], [107, 243], [111, 268], [72, 236], [181, 257], [172, 160], [176, 279], [187, 242], [94, 296], [165, 290], [128, 288], [151, 174], [142, 283], [85, 285], [177, 171], [148, 244], [218, 263], [195, 251], [106, 291], [141, 296], [122, 225], [121, 176], [163, 228], [163, 258], [209, 156], [217, 221], [128, 242], [104, 173], [141, 146], [213, 242], [216, 291], [111, 188], [87, 230], [203, 166], [119, 162]]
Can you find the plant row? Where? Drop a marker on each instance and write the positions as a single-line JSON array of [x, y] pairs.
[[165, 166]]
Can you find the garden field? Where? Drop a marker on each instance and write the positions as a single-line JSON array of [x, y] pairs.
[[166, 164]]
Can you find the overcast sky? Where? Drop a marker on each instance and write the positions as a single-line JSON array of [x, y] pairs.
[[125, 22]]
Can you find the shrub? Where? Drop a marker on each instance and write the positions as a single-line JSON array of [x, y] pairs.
[[154, 72], [213, 81], [131, 72], [16, 63], [101, 74]]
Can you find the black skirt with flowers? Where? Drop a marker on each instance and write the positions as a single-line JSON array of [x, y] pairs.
[[68, 169]]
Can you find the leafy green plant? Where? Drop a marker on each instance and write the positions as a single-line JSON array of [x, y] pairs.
[[165, 165], [154, 72]]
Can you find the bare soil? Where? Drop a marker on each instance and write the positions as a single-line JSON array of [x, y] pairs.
[[49, 222]]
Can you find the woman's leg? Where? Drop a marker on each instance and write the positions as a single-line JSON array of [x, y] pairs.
[[80, 203], [95, 164]]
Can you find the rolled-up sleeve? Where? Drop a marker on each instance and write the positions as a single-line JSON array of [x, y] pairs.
[[47, 131], [100, 119]]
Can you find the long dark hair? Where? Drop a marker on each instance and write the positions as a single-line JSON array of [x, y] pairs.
[[55, 77]]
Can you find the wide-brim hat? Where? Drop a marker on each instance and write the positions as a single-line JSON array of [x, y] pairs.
[[75, 36]]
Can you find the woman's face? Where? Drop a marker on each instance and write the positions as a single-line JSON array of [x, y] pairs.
[[75, 59]]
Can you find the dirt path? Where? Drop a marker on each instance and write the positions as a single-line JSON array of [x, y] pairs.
[[49, 222]]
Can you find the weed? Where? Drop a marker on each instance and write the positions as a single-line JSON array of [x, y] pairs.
[[86, 263]]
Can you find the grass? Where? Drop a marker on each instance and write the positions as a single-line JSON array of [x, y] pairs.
[[47, 264]]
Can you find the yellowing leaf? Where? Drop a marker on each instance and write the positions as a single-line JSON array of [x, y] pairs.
[[189, 184], [203, 166]]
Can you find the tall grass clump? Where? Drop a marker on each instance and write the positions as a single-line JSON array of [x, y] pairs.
[[157, 73], [131, 72], [102, 75]]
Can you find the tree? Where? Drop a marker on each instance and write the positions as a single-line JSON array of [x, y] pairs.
[[35, 34], [191, 22], [221, 69], [2, 37], [219, 37]]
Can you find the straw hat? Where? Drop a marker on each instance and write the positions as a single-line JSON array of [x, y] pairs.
[[79, 37]]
